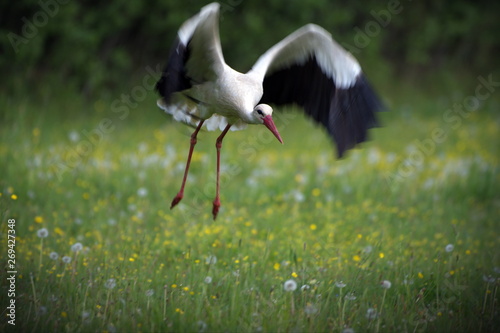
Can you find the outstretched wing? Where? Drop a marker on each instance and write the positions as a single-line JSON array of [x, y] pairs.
[[310, 69]]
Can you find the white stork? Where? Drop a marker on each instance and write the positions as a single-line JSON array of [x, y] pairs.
[[307, 68]]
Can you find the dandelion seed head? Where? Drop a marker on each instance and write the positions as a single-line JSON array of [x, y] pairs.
[[496, 270], [348, 330], [110, 283], [208, 280], [211, 260], [42, 310], [201, 326], [54, 255], [66, 259], [77, 247], [489, 279], [142, 192], [290, 285], [310, 309], [150, 292], [85, 314], [42, 233], [350, 296], [449, 248], [386, 284], [305, 287], [371, 314], [340, 284]]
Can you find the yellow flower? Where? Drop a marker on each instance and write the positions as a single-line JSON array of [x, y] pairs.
[[64, 314], [173, 286], [294, 274], [316, 192], [38, 219], [313, 226], [420, 275], [13, 197], [277, 266], [381, 255], [356, 258]]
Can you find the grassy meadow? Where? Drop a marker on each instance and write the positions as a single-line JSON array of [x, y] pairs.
[[401, 235]]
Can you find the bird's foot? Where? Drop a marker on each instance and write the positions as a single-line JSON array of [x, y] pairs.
[[215, 209], [176, 200]]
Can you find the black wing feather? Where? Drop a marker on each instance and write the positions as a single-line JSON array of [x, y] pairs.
[[346, 113], [174, 77]]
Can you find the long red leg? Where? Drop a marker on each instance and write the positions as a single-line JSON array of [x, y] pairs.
[[179, 195], [218, 145]]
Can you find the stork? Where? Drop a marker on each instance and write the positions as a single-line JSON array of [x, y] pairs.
[[307, 68]]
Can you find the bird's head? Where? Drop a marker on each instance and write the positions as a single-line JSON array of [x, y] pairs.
[[263, 114]]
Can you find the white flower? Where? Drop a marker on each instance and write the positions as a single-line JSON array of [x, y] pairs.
[[110, 284], [350, 296], [305, 287], [74, 136], [371, 313], [208, 279], [449, 248], [340, 284], [54, 255], [66, 259], [310, 309], [42, 233], [386, 284], [201, 326], [348, 330], [211, 260], [290, 285], [489, 279], [368, 249], [77, 247], [150, 292], [142, 192], [85, 314]]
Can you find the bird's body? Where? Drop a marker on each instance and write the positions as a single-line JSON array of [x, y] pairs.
[[307, 68]]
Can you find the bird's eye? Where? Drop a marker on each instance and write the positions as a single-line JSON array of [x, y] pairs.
[[259, 111]]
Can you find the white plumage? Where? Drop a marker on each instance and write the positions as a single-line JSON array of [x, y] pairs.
[[307, 68]]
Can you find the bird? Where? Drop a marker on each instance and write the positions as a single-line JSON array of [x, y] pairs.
[[307, 68]]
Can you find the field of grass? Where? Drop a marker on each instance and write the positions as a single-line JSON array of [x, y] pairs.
[[98, 249]]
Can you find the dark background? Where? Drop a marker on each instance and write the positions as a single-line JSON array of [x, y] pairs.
[[95, 48]]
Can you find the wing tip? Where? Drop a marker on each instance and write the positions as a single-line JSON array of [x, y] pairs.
[[357, 106]]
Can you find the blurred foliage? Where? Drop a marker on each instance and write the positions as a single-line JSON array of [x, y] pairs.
[[94, 46]]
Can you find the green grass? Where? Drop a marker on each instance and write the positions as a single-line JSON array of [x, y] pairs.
[[292, 211]]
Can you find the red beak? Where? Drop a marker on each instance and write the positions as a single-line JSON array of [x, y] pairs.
[[269, 123]]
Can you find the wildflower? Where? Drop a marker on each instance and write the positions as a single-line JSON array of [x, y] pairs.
[[150, 292], [294, 274], [66, 259], [340, 284], [77, 247], [371, 314], [85, 314], [142, 192], [73, 136], [201, 325], [350, 296], [211, 260], [489, 279], [449, 248], [305, 287], [386, 284], [368, 249], [310, 309], [290, 285], [110, 283], [42, 310], [38, 219], [42, 233], [54, 255], [208, 279]]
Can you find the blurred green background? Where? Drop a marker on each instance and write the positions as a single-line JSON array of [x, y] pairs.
[[96, 48]]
